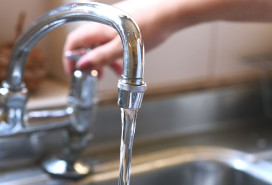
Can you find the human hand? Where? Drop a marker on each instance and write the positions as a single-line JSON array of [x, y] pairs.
[[157, 20], [105, 42]]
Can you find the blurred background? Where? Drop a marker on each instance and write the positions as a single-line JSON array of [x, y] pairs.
[[202, 56]]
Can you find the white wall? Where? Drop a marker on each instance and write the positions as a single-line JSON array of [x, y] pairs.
[[236, 41], [10, 10], [204, 51]]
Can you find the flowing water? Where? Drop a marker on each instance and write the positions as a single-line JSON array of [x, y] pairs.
[[128, 129]]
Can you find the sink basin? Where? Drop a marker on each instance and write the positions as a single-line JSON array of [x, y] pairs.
[[203, 138], [198, 173], [198, 165], [193, 166]]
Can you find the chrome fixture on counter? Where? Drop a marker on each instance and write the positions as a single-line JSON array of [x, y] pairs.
[[75, 119]]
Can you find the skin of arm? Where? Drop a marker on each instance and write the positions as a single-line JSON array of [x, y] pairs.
[[158, 20]]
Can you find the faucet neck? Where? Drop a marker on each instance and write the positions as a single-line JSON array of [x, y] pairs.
[[125, 26]]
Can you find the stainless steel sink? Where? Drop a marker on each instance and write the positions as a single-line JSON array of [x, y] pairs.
[[198, 173], [197, 165], [204, 172], [213, 137]]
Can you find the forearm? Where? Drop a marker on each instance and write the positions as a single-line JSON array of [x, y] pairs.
[[189, 12], [166, 17], [158, 19]]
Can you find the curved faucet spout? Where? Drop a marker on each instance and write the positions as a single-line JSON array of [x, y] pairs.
[[131, 81], [76, 118]]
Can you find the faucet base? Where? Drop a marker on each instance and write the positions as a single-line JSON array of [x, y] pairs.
[[64, 169]]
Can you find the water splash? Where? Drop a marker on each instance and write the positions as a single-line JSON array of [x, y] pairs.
[[128, 130]]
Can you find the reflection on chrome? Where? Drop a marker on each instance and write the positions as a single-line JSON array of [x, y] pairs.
[[76, 119]]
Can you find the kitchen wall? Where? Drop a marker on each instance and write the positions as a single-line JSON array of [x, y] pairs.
[[208, 51], [10, 11]]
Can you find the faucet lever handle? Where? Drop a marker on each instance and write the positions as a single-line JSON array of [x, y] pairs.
[[83, 100], [83, 89], [84, 84]]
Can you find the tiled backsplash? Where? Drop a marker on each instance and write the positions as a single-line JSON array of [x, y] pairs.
[[210, 51]]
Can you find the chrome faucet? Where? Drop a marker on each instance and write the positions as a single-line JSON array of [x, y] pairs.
[[75, 118]]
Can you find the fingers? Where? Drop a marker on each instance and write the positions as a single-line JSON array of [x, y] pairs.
[[106, 54], [117, 66], [87, 36]]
